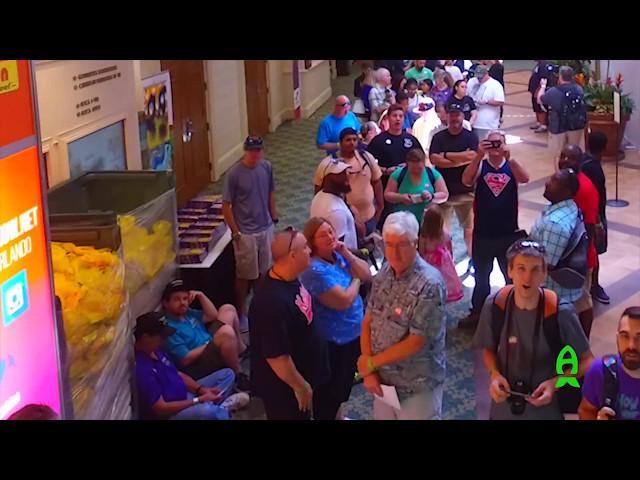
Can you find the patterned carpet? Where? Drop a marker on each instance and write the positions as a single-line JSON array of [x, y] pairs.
[[293, 153]]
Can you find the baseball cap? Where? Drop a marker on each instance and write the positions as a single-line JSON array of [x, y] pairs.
[[481, 70], [334, 166], [173, 287], [253, 142], [454, 107], [153, 323]]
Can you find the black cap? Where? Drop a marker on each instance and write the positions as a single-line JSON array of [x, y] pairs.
[[173, 287], [454, 107], [253, 142], [153, 323]]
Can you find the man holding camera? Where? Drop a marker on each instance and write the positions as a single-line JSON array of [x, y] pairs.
[[516, 344], [495, 228]]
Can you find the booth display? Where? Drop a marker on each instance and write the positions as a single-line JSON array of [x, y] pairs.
[[118, 235]]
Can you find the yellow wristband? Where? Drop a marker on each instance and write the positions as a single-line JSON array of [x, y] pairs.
[[370, 365]]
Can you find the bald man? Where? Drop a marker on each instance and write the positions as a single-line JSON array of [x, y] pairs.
[[588, 201], [289, 358], [328, 138]]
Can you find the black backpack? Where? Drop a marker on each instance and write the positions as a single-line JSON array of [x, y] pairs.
[[573, 113], [571, 270], [430, 174], [568, 398]]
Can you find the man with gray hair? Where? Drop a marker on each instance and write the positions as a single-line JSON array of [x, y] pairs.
[[567, 114], [328, 137], [381, 96], [403, 332]]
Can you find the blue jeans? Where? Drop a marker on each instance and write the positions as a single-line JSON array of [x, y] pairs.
[[222, 379]]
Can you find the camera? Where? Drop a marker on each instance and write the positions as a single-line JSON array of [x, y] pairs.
[[517, 400], [496, 143]]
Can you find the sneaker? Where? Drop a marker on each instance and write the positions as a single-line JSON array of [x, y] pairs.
[[534, 126], [540, 129], [235, 402], [598, 293], [469, 322], [243, 383]]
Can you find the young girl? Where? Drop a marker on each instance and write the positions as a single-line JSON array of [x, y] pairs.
[[436, 248]]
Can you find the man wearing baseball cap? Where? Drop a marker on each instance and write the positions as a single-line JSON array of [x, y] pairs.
[[329, 203], [166, 393], [249, 208], [488, 95], [204, 340]]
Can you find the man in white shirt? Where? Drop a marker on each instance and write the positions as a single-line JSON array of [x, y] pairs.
[[488, 95], [329, 203]]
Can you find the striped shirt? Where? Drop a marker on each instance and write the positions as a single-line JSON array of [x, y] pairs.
[[553, 230]]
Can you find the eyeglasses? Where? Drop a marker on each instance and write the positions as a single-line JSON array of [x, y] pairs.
[[398, 246], [344, 104], [516, 247]]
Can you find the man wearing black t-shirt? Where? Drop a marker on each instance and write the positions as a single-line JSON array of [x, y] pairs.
[[289, 356], [390, 148], [495, 227], [451, 151]]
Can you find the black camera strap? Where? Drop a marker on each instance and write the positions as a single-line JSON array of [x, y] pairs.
[[536, 334]]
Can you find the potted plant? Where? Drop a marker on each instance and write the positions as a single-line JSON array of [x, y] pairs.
[[598, 96]]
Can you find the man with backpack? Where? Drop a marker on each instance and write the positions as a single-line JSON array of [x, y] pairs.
[[560, 230], [611, 387], [567, 113], [522, 331], [495, 227], [366, 196]]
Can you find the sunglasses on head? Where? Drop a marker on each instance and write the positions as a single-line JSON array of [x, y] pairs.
[[293, 233], [521, 245]]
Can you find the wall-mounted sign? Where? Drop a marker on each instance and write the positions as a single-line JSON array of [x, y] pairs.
[[9, 80], [297, 97]]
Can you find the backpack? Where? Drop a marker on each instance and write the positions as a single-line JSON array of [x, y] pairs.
[[430, 174], [573, 110], [571, 270], [569, 398]]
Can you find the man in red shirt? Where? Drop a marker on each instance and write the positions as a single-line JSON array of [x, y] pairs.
[[588, 201]]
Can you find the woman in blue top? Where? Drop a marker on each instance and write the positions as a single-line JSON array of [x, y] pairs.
[[333, 280], [413, 187]]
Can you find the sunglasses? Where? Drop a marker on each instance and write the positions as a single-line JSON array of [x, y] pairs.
[[293, 232], [344, 104], [516, 247]]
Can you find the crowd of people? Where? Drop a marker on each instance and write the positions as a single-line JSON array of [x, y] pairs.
[[420, 143]]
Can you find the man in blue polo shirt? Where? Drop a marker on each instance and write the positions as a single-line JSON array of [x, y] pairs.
[[328, 138], [205, 340], [164, 392]]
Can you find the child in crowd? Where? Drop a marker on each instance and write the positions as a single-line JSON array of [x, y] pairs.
[[436, 248]]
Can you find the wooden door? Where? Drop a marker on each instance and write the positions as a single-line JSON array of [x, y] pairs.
[[191, 161], [255, 72]]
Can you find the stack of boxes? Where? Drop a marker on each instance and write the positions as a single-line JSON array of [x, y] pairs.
[[200, 226]]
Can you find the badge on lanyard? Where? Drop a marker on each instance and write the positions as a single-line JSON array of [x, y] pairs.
[[513, 340]]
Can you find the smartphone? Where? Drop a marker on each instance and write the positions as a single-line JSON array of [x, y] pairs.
[[416, 198]]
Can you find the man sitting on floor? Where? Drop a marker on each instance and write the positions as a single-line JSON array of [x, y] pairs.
[[205, 340], [164, 392]]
